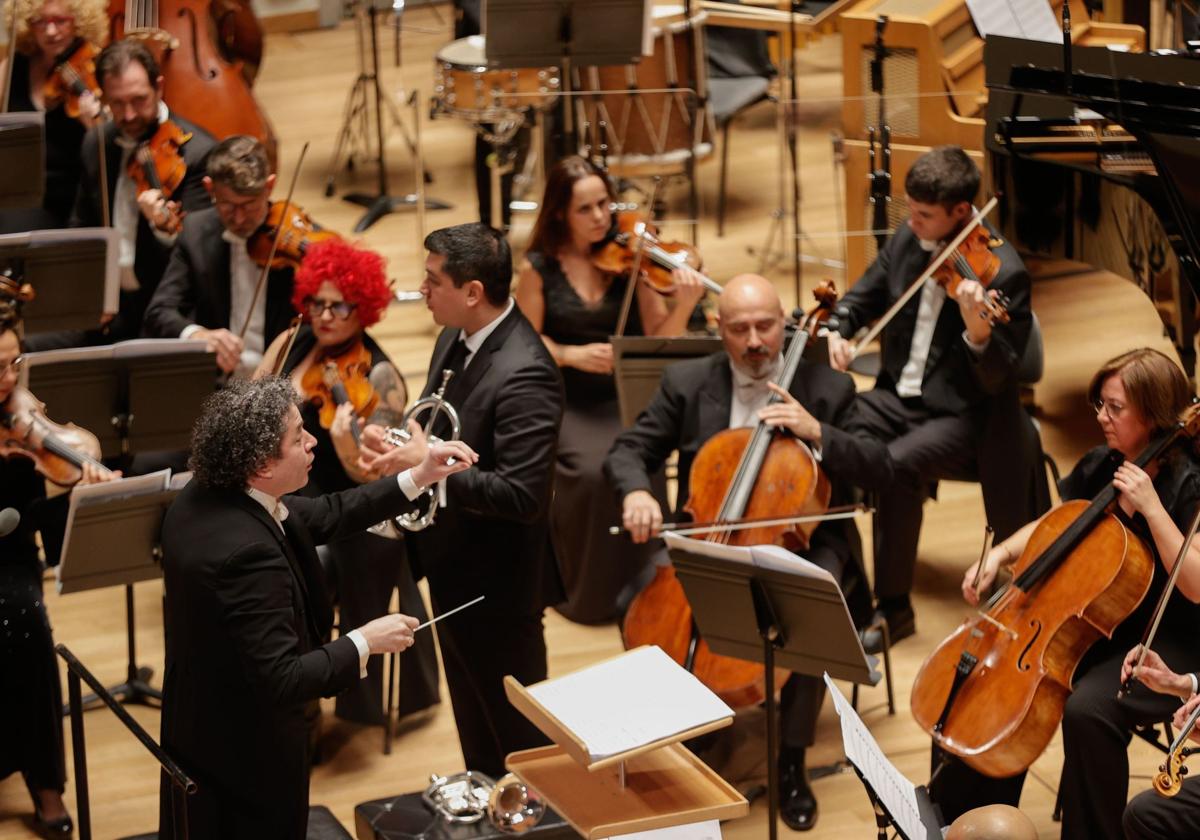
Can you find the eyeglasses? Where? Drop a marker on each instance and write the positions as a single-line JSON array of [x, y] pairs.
[[59, 21], [15, 366], [340, 309], [1112, 409]]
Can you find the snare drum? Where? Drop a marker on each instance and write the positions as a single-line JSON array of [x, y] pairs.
[[650, 132], [465, 87]]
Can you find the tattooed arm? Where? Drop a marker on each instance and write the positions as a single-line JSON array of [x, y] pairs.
[[393, 394]]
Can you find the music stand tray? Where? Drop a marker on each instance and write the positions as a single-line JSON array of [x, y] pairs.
[[638, 364], [22, 159], [656, 784], [764, 604]]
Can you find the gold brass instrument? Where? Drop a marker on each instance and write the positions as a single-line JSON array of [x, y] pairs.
[[434, 404], [1170, 774], [466, 798]]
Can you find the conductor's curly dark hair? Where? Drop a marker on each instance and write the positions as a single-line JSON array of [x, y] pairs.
[[239, 430]]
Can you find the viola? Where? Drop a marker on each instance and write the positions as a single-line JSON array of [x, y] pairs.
[[295, 230], [158, 164], [631, 232], [341, 377], [975, 259], [58, 451], [993, 692], [72, 77], [755, 477]]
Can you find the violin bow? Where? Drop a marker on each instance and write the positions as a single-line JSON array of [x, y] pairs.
[[635, 272], [1161, 607], [946, 253], [683, 529], [266, 269], [293, 331]]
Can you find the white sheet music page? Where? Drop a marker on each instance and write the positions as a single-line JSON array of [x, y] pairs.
[[1032, 19], [630, 701], [895, 791], [707, 830], [995, 17]]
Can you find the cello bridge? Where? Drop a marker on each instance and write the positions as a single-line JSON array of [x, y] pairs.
[[999, 626]]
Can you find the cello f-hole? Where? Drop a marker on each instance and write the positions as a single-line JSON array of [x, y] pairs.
[[211, 73], [1022, 665]]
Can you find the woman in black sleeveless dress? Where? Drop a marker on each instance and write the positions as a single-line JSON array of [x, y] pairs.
[[575, 307], [342, 290]]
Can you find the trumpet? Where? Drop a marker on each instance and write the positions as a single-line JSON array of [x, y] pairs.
[[434, 404], [466, 798]]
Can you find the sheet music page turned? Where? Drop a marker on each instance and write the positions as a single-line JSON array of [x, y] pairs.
[[896, 792], [1032, 19], [628, 702]]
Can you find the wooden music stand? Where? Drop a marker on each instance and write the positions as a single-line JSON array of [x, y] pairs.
[[654, 785]]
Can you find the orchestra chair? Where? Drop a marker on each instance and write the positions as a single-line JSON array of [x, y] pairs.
[[1149, 733]]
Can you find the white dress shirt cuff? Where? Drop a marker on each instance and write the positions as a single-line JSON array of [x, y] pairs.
[[167, 239], [189, 331], [977, 349], [364, 652], [407, 486]]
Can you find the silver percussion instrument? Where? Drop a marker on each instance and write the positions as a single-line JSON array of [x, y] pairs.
[[465, 87]]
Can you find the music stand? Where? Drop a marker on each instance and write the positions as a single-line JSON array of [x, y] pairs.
[[115, 391], [638, 363], [74, 274], [764, 604], [22, 159], [113, 538]]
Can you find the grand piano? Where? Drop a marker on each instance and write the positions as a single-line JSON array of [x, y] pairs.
[[1100, 163]]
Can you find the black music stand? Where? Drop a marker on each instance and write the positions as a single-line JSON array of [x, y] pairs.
[[113, 538], [22, 159], [638, 363], [116, 391], [764, 604], [74, 274]]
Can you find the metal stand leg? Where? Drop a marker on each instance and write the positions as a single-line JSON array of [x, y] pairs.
[[136, 688]]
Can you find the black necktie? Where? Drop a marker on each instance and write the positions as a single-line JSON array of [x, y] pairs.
[[455, 361]]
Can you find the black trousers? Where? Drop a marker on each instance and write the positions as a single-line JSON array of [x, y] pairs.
[[478, 650], [1149, 816], [1096, 729]]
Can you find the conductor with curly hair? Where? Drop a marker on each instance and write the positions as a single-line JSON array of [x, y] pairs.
[[247, 617]]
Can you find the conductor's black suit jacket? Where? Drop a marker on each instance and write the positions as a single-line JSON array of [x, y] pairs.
[[692, 404], [491, 539], [196, 287], [246, 617]]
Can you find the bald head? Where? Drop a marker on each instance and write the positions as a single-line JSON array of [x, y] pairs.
[[993, 822], [751, 324]]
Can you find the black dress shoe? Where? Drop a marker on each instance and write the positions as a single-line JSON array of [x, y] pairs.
[[797, 805], [58, 828], [901, 623]]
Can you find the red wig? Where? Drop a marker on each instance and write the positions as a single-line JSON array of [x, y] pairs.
[[357, 273]]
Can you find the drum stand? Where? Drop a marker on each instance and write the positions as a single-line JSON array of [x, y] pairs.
[[501, 136], [355, 135]]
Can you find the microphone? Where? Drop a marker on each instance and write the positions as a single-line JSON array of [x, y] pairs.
[[10, 518]]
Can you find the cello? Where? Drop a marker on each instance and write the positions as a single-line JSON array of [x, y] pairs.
[[993, 692], [199, 82], [738, 475]]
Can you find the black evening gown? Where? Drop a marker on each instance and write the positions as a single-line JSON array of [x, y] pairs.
[[31, 732], [600, 573], [365, 569]]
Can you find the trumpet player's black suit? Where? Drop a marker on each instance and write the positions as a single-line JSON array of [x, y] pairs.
[[246, 616], [692, 404], [492, 538]]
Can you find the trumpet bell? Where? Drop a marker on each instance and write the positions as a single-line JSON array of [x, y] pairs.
[[513, 807]]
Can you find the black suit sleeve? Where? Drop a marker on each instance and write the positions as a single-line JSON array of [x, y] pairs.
[[84, 213], [336, 515], [254, 590], [640, 451], [528, 413], [869, 298], [191, 194], [995, 369], [849, 451], [173, 306]]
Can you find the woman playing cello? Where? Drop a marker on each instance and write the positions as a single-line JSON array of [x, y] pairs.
[[1137, 396]]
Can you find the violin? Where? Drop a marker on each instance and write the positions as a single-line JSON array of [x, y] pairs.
[[992, 693], [767, 488], [1169, 778], [631, 233], [341, 377], [58, 451], [158, 164], [72, 77], [295, 231]]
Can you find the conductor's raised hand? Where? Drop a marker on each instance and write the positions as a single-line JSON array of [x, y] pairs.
[[443, 459], [390, 633]]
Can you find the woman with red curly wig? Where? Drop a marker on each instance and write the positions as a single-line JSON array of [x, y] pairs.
[[340, 290]]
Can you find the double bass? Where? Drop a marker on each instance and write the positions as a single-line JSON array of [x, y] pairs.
[[201, 81], [738, 476], [993, 692]]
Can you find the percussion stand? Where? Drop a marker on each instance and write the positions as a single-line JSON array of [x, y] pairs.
[[355, 129]]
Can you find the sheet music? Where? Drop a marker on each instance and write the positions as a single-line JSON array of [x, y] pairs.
[[630, 701], [773, 557], [1031, 19], [707, 830], [896, 792]]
